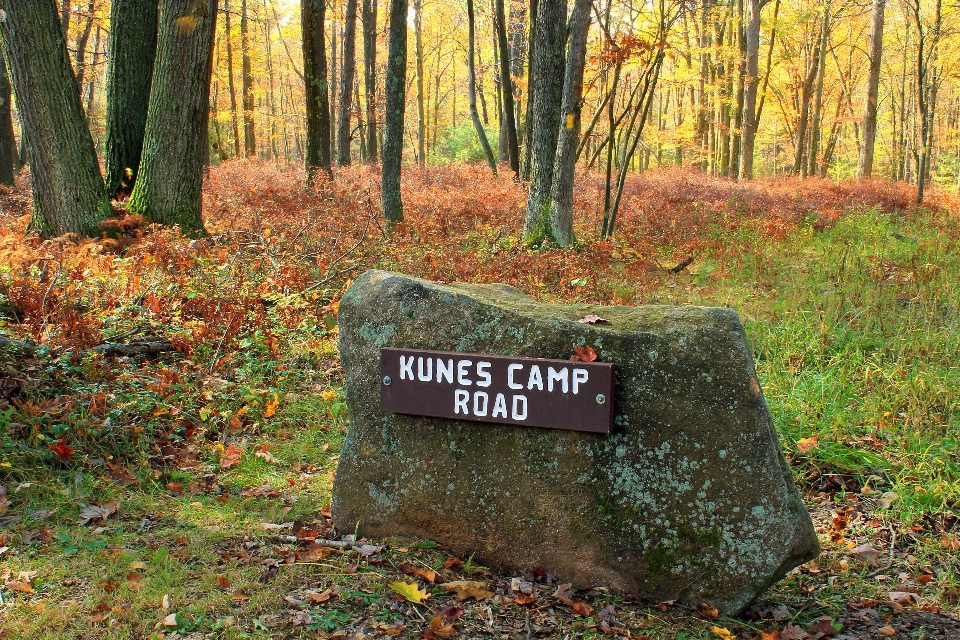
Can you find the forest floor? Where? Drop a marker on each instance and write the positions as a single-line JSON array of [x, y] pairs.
[[177, 494]]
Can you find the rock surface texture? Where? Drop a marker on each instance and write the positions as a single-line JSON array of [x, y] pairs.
[[689, 499]]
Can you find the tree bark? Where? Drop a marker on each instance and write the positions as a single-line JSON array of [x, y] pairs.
[[421, 109], [133, 48], [230, 85], [246, 84], [561, 193], [8, 145], [545, 125], [869, 128], [749, 134], [68, 191], [816, 119], [506, 88], [481, 133], [370, 75], [528, 118], [346, 83], [799, 166], [175, 146], [80, 47], [312, 15], [393, 114]]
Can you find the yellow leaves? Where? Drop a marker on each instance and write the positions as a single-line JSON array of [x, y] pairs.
[[469, 589], [723, 633], [328, 395], [411, 592], [807, 444], [271, 406], [19, 585]]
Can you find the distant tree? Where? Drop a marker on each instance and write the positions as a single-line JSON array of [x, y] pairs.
[[175, 146], [230, 84], [312, 15], [246, 85], [418, 52], [869, 128], [393, 121], [346, 83], [481, 133], [133, 48], [370, 75], [506, 83], [68, 191], [8, 145]]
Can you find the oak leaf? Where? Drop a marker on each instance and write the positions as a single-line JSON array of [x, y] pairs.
[[585, 354], [464, 589], [441, 630], [19, 585], [410, 569], [231, 457], [792, 632], [409, 591]]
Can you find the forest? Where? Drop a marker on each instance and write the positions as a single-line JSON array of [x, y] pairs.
[[189, 187]]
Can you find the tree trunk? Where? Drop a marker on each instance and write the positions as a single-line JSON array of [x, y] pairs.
[[249, 130], [561, 194], [865, 161], [230, 85], [750, 90], [481, 133], [528, 119], [740, 94], [346, 83], [8, 145], [80, 47], [92, 85], [394, 97], [65, 9], [133, 47], [506, 89], [799, 165], [815, 123], [333, 90], [68, 191], [545, 124], [370, 74], [175, 147], [421, 110], [312, 15]]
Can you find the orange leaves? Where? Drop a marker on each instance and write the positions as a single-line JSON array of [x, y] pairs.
[[231, 457], [807, 444], [271, 407]]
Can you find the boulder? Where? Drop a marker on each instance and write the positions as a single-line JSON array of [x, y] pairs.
[[689, 499]]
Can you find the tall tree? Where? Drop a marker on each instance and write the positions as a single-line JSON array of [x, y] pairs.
[[80, 46], [869, 128], [346, 83], [528, 117], [471, 64], [806, 93], [133, 48], [548, 53], [8, 145], [175, 148], [393, 113], [561, 193], [312, 15], [506, 84], [749, 134], [816, 120], [370, 75], [246, 84], [928, 79], [421, 107], [68, 190], [230, 84]]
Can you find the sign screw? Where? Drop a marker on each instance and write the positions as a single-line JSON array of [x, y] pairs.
[[601, 398], [387, 380]]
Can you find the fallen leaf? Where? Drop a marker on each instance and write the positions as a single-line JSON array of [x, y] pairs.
[[165, 602], [887, 631], [464, 589], [806, 444], [887, 499], [320, 598], [769, 635], [707, 611], [951, 542], [223, 582], [429, 575], [271, 407], [301, 618], [582, 609], [586, 354], [452, 562], [823, 629], [231, 457], [91, 512], [450, 613], [100, 613], [591, 319], [393, 630], [564, 592], [721, 632], [19, 585], [43, 536], [792, 632], [903, 598], [170, 620], [313, 553], [867, 553], [524, 600], [607, 612], [269, 574], [442, 630], [410, 591], [135, 580]]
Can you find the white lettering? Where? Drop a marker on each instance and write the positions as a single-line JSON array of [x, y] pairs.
[[462, 372], [579, 376], [535, 380], [559, 376], [482, 368], [516, 414], [445, 370], [477, 396], [460, 401], [510, 370], [421, 376], [406, 368], [499, 406]]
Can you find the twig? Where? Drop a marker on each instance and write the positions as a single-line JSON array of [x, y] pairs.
[[683, 265]]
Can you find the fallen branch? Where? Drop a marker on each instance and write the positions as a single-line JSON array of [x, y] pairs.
[[23, 348], [141, 347], [683, 265]]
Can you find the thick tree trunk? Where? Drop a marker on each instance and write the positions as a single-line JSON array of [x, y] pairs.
[[481, 133], [133, 47], [396, 82], [506, 88], [249, 129], [175, 147], [230, 84], [68, 191], [346, 83], [561, 194], [865, 161], [312, 15], [370, 74], [546, 116], [750, 90], [8, 145], [421, 108]]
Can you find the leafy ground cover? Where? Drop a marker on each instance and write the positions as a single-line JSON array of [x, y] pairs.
[[182, 492]]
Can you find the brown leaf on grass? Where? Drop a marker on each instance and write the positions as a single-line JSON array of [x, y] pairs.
[[452, 562], [223, 582], [823, 629], [91, 512], [231, 457], [806, 444], [392, 630], [793, 632], [100, 613], [585, 354], [319, 598], [591, 319], [110, 585], [464, 589], [450, 613], [950, 541], [135, 581], [524, 600], [441, 630], [313, 553], [410, 569], [265, 490], [19, 585], [42, 536], [867, 553], [903, 598], [887, 631], [582, 609], [301, 618], [607, 612], [269, 574], [706, 611], [263, 452], [564, 592], [351, 568]]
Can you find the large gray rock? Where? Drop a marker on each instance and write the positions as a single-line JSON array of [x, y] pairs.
[[689, 499]]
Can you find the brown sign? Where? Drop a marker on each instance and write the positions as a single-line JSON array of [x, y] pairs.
[[533, 392]]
